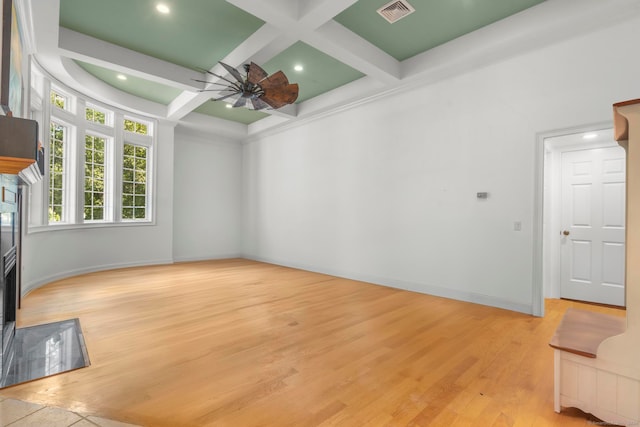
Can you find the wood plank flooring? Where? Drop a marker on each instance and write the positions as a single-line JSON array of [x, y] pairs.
[[242, 343]]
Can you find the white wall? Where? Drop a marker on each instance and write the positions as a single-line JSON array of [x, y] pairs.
[[207, 197], [50, 255], [386, 192], [198, 216]]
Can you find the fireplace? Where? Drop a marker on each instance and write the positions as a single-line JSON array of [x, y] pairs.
[[29, 353], [21, 163], [9, 239]]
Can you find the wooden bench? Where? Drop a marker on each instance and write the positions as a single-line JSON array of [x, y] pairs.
[[575, 344], [596, 356], [581, 332]]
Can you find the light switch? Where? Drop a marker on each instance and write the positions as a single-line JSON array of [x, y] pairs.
[[517, 226]]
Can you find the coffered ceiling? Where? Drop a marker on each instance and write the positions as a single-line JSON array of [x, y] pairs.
[[347, 51]]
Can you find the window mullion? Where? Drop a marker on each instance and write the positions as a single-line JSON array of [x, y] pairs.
[[70, 175], [78, 169], [46, 138], [117, 166]]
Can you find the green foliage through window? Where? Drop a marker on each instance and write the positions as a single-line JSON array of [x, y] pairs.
[[94, 178], [95, 116], [56, 171], [85, 183], [134, 182], [135, 127], [58, 100]]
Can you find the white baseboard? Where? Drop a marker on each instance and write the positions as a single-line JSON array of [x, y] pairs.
[[31, 286], [422, 288], [206, 258]]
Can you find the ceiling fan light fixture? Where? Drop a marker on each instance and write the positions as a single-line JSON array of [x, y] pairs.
[[255, 90]]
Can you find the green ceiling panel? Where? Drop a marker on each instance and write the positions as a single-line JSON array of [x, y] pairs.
[[196, 34], [434, 22], [321, 72], [240, 115], [134, 85]]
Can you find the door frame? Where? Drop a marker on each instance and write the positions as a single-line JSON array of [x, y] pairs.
[[546, 265]]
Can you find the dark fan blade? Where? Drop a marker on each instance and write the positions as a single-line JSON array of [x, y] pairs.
[[255, 74], [241, 102], [220, 77], [226, 96], [258, 104], [274, 80], [226, 87], [211, 83], [280, 96], [235, 73]]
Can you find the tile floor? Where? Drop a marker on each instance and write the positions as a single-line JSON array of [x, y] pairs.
[[16, 413]]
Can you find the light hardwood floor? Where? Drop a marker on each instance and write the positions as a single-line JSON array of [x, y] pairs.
[[242, 343]]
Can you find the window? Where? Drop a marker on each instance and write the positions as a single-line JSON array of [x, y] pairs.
[[93, 114], [99, 162], [56, 171], [94, 178], [134, 182], [135, 127], [59, 100]]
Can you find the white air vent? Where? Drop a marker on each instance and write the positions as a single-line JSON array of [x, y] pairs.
[[396, 10]]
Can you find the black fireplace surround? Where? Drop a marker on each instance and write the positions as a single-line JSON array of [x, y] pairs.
[[9, 252]]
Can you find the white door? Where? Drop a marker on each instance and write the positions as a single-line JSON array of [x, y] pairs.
[[593, 221]]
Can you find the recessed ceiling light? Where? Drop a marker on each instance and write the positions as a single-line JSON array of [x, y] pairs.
[[122, 77], [298, 67], [229, 106], [589, 136], [163, 8]]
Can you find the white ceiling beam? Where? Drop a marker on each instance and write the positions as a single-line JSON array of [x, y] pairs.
[[317, 29], [337, 41], [313, 13], [185, 103], [268, 40], [98, 52], [279, 13]]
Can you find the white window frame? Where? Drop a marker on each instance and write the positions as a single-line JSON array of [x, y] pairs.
[[68, 187], [146, 141], [108, 115], [69, 104], [108, 178], [74, 118]]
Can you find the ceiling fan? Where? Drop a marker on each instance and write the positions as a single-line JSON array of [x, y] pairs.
[[255, 89]]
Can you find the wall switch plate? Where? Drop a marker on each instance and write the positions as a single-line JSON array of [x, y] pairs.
[[517, 226]]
